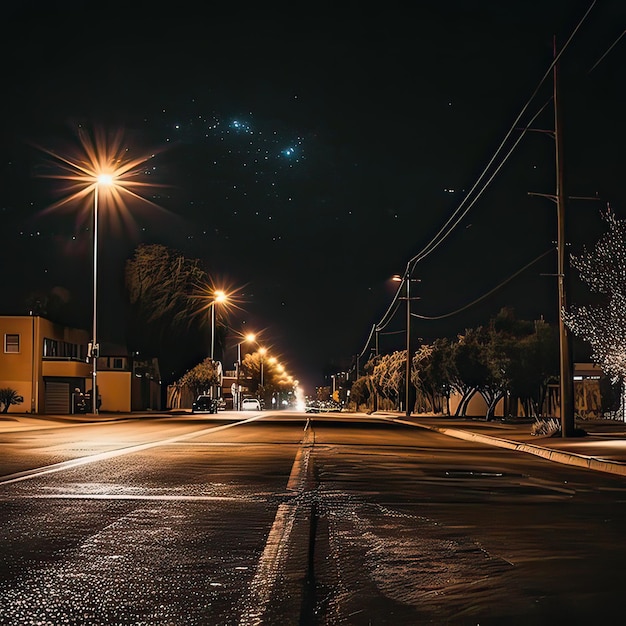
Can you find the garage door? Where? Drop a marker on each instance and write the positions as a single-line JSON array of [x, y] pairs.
[[57, 397]]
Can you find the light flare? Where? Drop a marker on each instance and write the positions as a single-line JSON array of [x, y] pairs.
[[208, 294], [100, 161]]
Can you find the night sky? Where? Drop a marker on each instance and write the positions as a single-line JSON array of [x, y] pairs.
[[306, 152]]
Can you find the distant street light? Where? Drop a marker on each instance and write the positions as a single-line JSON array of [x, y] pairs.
[[407, 281], [262, 352], [218, 296], [250, 337]]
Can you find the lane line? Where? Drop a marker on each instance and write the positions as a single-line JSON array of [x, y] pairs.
[[276, 548], [301, 463], [85, 460], [277, 544], [121, 496]]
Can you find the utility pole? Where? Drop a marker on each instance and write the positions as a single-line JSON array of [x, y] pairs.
[[566, 367], [565, 353], [377, 333], [407, 385]]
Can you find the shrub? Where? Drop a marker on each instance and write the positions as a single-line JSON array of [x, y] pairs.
[[8, 397], [546, 427]]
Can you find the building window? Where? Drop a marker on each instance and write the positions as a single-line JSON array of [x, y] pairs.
[[12, 343], [118, 363]]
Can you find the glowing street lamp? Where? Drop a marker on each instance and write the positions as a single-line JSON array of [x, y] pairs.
[[102, 164], [105, 180]]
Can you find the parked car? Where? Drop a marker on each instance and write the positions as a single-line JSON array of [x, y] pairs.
[[250, 404], [204, 404], [221, 404]]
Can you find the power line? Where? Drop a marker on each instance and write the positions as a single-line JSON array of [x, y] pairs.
[[455, 218], [609, 50], [486, 295]]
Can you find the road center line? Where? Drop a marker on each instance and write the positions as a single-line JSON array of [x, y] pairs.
[[276, 547], [277, 544]]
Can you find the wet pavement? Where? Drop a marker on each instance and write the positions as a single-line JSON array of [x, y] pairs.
[[375, 524], [601, 446]]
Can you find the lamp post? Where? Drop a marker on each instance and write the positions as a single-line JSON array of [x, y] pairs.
[[105, 180], [250, 337], [262, 352], [100, 162], [407, 280], [218, 296]]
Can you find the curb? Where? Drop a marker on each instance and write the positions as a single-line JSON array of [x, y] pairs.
[[558, 456], [566, 458]]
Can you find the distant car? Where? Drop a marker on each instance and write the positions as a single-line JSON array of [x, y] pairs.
[[221, 404], [250, 404], [204, 404]]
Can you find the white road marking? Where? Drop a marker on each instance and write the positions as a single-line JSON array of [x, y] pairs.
[[64, 465], [269, 566], [300, 465], [277, 545], [128, 496]]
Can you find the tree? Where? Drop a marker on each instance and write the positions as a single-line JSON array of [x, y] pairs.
[[9, 397], [275, 383], [201, 378], [162, 287], [388, 375], [360, 392], [368, 370], [433, 372], [509, 356], [251, 371], [603, 324], [471, 366], [532, 365]]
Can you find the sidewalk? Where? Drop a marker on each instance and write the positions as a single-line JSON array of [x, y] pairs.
[[602, 448]]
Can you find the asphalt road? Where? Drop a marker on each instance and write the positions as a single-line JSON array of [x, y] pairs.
[[294, 518]]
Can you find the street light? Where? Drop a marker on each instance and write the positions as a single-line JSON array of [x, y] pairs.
[[101, 162], [218, 296], [250, 337], [407, 280], [105, 180], [262, 352]]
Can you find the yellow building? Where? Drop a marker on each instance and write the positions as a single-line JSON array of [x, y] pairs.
[[46, 363]]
